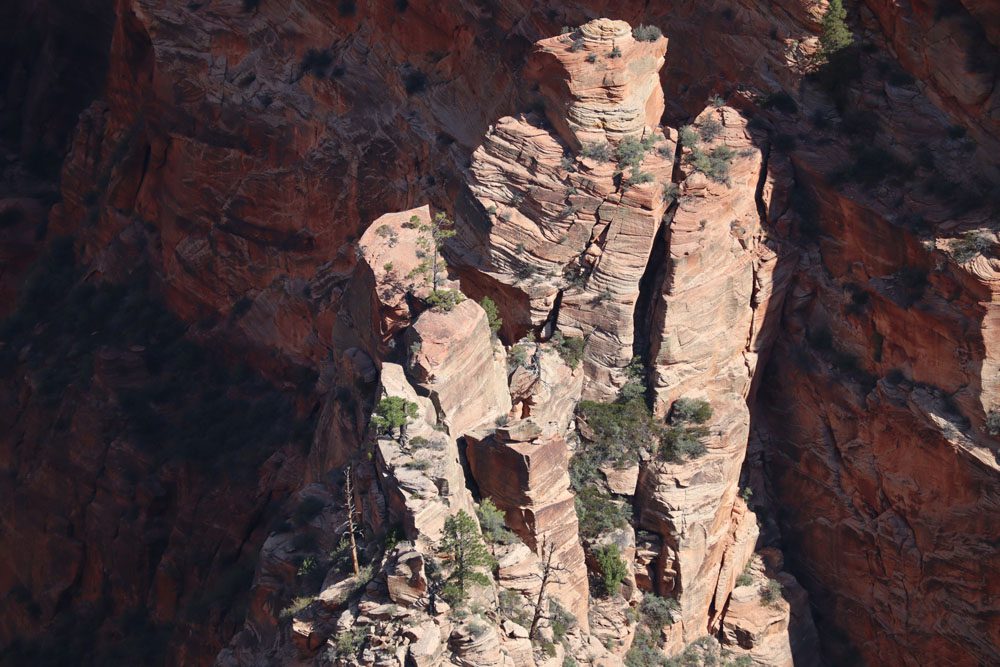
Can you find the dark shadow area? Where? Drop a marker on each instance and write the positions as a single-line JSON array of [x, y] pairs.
[[181, 435]]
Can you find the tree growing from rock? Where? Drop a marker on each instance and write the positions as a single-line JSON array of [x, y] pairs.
[[612, 568], [551, 573], [836, 35], [492, 314], [431, 240], [394, 413], [467, 552], [352, 510]]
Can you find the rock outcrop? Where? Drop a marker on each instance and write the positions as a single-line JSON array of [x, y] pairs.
[[551, 231], [245, 156], [528, 480], [453, 358], [420, 476]]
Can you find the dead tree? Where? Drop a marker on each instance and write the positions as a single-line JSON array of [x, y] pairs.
[[351, 511], [551, 572]]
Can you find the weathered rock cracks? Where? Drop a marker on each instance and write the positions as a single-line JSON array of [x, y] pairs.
[[567, 220]]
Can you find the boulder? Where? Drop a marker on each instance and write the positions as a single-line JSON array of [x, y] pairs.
[[452, 357]]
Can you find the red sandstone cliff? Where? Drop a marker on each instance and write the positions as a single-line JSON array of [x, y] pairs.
[[821, 301]]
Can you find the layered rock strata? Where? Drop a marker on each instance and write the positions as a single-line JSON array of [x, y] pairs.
[[528, 479], [550, 231]]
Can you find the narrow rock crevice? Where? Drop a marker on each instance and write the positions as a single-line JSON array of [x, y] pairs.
[[650, 287]]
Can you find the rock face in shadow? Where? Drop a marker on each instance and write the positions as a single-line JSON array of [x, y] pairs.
[[240, 153], [876, 438]]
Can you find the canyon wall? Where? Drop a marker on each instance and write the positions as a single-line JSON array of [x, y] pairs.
[[824, 300]]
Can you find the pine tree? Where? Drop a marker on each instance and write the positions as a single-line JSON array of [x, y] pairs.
[[392, 413], [836, 35], [465, 547]]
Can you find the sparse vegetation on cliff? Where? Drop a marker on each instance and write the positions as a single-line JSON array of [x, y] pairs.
[[444, 299], [656, 611], [683, 438], [570, 348], [611, 569], [493, 523], [770, 593], [646, 33], [392, 414], [714, 164], [597, 513], [430, 241], [993, 422], [969, 246]]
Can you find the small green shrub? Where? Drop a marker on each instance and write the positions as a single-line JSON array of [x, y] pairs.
[[745, 579], [688, 136], [646, 33], [630, 152], [569, 348], [645, 653], [296, 606], [770, 593], [658, 612], [445, 299], [993, 422], [477, 628], [518, 357], [349, 643], [620, 429], [388, 233], [492, 315], [308, 566], [598, 514], [710, 128], [969, 246], [494, 523], [637, 178], [560, 620], [596, 151], [591, 58], [714, 164], [615, 53], [612, 569], [392, 413], [684, 438], [694, 410], [683, 443], [511, 605]]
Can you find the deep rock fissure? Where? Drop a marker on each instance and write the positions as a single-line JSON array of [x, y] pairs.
[[650, 287]]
